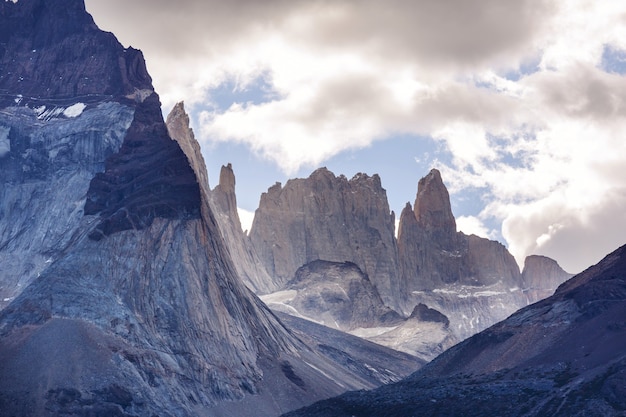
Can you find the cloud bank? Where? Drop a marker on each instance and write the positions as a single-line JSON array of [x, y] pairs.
[[527, 96]]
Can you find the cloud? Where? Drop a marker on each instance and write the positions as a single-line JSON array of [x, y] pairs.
[[472, 225], [516, 91], [245, 217]]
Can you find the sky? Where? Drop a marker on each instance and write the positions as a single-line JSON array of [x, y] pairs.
[[521, 104]]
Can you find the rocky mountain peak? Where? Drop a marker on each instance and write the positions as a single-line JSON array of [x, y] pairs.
[[432, 204], [227, 179], [149, 177], [51, 52], [225, 199], [179, 129], [322, 217]]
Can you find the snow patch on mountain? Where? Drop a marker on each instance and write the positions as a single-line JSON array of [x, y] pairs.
[[74, 110], [5, 142]]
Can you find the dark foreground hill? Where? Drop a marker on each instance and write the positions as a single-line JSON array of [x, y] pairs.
[[563, 356]]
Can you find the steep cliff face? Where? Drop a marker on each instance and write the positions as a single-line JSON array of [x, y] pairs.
[[564, 356], [52, 54], [124, 299], [432, 253], [541, 276], [247, 262], [474, 281], [328, 218]]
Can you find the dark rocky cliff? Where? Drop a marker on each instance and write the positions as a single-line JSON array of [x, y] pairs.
[[52, 52]]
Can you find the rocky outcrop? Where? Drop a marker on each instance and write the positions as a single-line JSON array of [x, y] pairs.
[[341, 296], [247, 262], [541, 276], [148, 177], [329, 218], [337, 295], [52, 54], [63, 90], [561, 356], [124, 299], [433, 254]]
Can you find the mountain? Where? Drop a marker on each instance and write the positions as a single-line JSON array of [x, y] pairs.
[[474, 281], [562, 356], [541, 275], [329, 218], [341, 296], [325, 220], [123, 299]]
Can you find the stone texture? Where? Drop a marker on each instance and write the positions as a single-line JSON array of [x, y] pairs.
[[148, 177], [329, 218], [341, 296], [473, 281], [223, 200], [247, 262], [338, 295], [432, 253]]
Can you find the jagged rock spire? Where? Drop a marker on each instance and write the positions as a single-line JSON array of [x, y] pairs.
[[432, 205]]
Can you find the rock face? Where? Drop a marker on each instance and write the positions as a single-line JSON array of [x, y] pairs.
[[474, 281], [224, 205], [81, 62], [432, 253], [564, 355], [337, 295], [248, 264], [124, 300], [541, 275], [148, 177], [332, 219], [54, 65]]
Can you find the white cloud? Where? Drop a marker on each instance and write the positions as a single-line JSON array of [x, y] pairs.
[[472, 225], [245, 217], [546, 144]]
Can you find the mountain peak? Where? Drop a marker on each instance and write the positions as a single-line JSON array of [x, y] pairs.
[[227, 178], [432, 204], [37, 67]]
